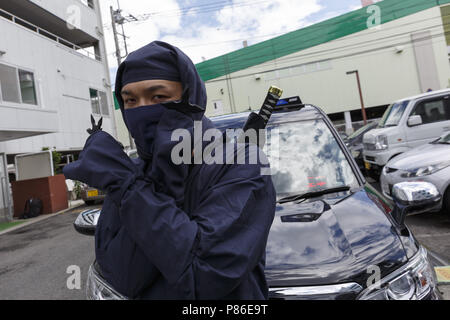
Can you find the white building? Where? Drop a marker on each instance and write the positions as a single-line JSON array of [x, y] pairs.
[[400, 48], [53, 76]]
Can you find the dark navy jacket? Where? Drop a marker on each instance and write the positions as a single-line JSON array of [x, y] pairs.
[[213, 247], [186, 231]]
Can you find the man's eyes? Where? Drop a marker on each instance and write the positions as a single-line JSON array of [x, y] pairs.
[[130, 101], [155, 99], [160, 98]]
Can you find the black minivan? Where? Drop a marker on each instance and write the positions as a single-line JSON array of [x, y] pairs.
[[334, 236]]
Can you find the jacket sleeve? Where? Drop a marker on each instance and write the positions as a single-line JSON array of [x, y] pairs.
[[209, 253]]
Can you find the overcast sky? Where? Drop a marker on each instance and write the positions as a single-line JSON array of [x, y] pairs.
[[205, 29]]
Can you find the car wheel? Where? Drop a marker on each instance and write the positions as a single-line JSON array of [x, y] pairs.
[[89, 202]]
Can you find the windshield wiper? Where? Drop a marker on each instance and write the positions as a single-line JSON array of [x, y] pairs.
[[312, 194]]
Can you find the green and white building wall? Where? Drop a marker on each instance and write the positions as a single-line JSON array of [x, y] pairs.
[[400, 48]]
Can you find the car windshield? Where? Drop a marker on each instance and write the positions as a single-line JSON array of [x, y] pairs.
[[305, 157], [361, 130], [444, 139], [393, 114]]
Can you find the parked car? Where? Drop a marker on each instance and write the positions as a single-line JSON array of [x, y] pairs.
[[406, 124], [429, 162], [354, 143], [90, 195], [332, 232]]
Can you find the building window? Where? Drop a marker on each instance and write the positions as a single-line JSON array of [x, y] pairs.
[[17, 86], [27, 87], [9, 89], [433, 110], [99, 102], [89, 3]]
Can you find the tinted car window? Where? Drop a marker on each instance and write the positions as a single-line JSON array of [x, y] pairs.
[[305, 156], [359, 133], [433, 110]]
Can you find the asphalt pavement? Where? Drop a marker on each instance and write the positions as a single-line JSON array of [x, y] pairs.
[[34, 260]]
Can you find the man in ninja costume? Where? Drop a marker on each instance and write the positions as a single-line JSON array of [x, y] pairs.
[[174, 231]]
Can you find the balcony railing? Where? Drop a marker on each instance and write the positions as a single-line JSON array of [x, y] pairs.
[[48, 35]]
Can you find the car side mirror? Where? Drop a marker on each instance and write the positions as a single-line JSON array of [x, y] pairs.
[[86, 222], [413, 197], [415, 120]]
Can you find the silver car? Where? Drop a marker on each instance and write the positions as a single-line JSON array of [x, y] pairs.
[[429, 162]]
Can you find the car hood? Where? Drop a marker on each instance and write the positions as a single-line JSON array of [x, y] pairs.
[[427, 154], [370, 136], [338, 247]]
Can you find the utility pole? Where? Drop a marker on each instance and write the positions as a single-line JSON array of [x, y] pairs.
[[363, 110], [119, 54], [116, 39]]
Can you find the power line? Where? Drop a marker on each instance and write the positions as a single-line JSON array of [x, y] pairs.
[[371, 51], [238, 58], [319, 25], [200, 9], [330, 22], [327, 51], [284, 33]]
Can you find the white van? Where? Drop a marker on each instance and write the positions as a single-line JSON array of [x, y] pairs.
[[406, 124]]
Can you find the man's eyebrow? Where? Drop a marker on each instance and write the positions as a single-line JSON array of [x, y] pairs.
[[149, 89], [154, 88]]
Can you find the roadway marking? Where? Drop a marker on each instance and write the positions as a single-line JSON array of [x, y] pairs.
[[443, 274]]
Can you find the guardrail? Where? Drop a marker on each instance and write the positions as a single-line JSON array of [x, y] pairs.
[[48, 35]]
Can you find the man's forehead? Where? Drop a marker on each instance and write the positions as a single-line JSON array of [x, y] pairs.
[[153, 84]]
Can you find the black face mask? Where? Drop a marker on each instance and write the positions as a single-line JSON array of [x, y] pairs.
[[142, 123]]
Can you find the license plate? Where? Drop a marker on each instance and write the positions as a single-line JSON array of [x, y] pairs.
[[92, 193], [367, 165]]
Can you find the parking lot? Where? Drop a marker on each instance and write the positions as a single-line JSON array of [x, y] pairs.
[[432, 230]]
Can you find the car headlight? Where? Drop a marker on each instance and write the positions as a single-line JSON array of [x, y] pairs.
[[356, 153], [425, 171], [98, 289], [381, 142], [413, 281]]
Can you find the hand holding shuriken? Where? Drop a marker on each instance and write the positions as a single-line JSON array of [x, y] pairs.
[[95, 127]]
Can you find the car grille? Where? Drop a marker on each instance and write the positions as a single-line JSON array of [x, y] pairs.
[[369, 146], [370, 158]]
